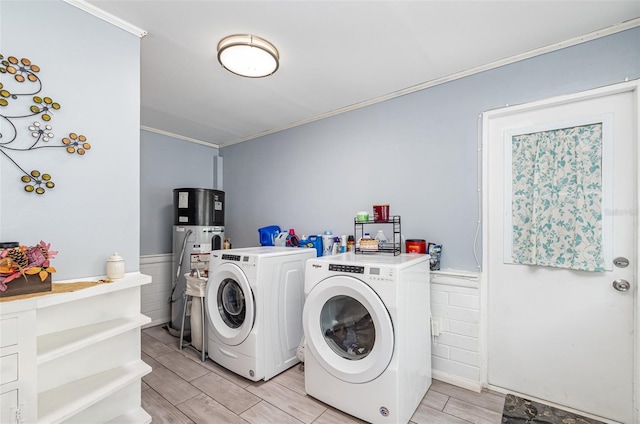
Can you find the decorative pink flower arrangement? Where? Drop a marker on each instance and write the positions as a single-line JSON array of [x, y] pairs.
[[24, 260]]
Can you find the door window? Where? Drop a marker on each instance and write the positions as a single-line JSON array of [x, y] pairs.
[[347, 327], [231, 303]]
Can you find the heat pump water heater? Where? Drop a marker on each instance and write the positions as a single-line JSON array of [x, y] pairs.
[[198, 228]]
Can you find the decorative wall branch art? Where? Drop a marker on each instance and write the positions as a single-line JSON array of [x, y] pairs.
[[28, 115]]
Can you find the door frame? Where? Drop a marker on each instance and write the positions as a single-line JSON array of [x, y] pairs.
[[634, 88]]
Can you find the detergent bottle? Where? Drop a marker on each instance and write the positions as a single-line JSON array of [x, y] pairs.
[[292, 239], [327, 243]]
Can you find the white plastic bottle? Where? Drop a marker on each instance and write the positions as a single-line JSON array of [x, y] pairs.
[[382, 239], [327, 243]]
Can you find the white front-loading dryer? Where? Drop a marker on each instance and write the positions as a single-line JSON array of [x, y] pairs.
[[367, 329], [254, 303]]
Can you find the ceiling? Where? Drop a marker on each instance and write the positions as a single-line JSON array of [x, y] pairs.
[[334, 55]]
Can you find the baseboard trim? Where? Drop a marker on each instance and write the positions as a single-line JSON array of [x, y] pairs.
[[475, 386], [156, 322]]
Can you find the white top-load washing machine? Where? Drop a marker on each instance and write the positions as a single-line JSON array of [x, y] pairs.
[[367, 329], [254, 303]]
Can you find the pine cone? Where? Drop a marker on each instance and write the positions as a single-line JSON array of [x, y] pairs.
[[18, 257]]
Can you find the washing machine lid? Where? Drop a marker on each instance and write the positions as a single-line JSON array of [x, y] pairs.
[[348, 329], [230, 304]]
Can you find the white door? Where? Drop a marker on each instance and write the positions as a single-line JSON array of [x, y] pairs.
[[348, 329], [561, 335]]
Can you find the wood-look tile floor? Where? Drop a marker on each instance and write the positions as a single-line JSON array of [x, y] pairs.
[[182, 389]]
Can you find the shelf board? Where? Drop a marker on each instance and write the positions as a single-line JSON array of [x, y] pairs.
[[131, 280], [55, 345], [391, 220], [379, 250], [63, 402]]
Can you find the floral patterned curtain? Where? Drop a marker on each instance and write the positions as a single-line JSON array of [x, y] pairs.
[[557, 198]]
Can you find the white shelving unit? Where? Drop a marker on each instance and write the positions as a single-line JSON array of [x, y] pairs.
[[87, 354], [17, 358]]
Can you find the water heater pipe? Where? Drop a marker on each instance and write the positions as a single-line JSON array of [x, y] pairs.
[[175, 280]]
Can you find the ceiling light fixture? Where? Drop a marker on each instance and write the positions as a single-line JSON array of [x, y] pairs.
[[248, 56]]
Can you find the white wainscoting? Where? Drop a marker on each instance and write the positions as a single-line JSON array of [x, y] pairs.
[[154, 297], [455, 308]]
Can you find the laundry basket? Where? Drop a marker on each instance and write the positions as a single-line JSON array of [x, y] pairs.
[[195, 288]]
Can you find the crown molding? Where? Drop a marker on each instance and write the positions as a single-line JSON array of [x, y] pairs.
[[179, 137], [108, 17]]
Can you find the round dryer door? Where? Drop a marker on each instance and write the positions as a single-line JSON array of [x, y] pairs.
[[348, 329], [230, 304]]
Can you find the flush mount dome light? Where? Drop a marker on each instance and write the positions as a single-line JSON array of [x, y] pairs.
[[248, 56]]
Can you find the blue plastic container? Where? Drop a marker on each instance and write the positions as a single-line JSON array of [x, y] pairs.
[[313, 242], [268, 235], [316, 241]]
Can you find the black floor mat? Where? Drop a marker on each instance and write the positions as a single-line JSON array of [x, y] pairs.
[[518, 410]]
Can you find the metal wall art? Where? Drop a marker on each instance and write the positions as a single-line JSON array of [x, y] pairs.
[[25, 121]]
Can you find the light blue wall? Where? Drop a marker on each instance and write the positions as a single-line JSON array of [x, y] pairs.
[[91, 68], [417, 152], [167, 163]]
